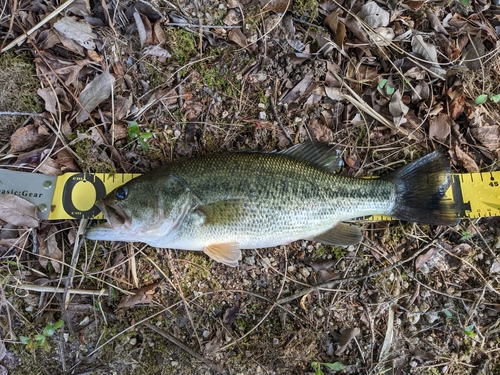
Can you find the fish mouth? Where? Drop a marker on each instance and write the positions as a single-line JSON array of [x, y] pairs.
[[114, 215]]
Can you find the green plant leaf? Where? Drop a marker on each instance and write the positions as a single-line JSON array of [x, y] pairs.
[[25, 340], [143, 144], [495, 98], [336, 366], [389, 90], [39, 338], [146, 135], [133, 129], [382, 83], [317, 368], [49, 330], [481, 99], [447, 313], [59, 324], [465, 2]]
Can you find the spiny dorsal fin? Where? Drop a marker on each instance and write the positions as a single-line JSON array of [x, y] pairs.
[[341, 234], [227, 253], [320, 154]]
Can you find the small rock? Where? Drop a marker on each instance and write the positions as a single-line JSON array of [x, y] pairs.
[[174, 363], [262, 115], [305, 272], [431, 317], [250, 260]]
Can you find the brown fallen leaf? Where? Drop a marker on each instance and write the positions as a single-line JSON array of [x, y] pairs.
[[48, 249], [278, 6], [144, 29], [464, 159], [94, 93], [18, 211], [440, 127], [424, 258], [214, 344], [27, 138], [142, 296], [398, 109], [346, 337], [79, 31], [237, 36], [489, 136]]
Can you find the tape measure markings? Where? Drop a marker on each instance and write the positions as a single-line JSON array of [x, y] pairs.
[[73, 195]]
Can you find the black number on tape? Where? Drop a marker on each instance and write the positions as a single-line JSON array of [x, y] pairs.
[[67, 200]]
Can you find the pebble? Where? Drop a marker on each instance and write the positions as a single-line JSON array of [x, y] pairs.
[[177, 133], [304, 272], [262, 115], [250, 260]]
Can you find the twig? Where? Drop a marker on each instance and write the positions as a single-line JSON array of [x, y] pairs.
[[20, 114], [277, 119], [55, 289], [182, 24], [181, 345]]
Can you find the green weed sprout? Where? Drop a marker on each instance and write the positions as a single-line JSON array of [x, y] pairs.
[[337, 366], [483, 98], [41, 340], [135, 133]]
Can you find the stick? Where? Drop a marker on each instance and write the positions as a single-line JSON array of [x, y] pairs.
[[198, 356]]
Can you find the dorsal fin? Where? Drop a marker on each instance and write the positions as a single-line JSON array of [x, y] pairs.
[[318, 153]]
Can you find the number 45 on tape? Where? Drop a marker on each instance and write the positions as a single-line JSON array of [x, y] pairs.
[[73, 195]]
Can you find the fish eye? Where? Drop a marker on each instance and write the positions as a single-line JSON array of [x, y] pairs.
[[121, 193]]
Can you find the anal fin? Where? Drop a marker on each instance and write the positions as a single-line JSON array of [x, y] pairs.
[[341, 234], [227, 253]]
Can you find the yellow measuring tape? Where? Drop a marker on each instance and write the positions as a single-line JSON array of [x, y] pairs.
[[475, 194]]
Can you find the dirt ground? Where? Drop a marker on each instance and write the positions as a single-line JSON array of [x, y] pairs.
[[124, 86]]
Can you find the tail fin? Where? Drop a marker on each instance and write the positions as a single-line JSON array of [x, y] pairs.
[[420, 189]]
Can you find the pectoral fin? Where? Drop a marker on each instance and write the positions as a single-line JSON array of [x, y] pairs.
[[227, 253], [341, 234]]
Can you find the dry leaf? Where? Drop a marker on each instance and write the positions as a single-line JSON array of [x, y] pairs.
[[383, 36], [465, 160], [473, 53], [144, 29], [237, 36], [232, 18], [95, 92], [156, 51], [18, 211], [374, 15], [26, 138], [435, 23], [424, 258], [48, 249], [489, 136], [426, 50], [440, 127], [79, 31], [278, 6], [215, 343], [142, 296], [159, 34], [397, 108], [346, 337]]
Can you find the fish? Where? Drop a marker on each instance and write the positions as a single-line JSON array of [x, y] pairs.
[[225, 202]]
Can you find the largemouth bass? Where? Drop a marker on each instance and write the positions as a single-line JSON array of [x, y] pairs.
[[222, 203]]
